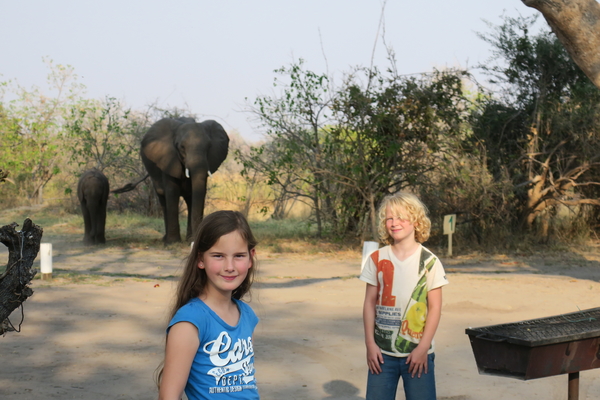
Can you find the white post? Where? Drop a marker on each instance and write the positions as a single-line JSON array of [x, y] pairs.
[[449, 228], [46, 261], [368, 248]]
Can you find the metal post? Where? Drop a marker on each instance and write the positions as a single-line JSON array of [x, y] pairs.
[[573, 386], [450, 245]]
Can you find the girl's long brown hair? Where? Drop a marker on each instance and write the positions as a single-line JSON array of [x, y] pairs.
[[193, 279]]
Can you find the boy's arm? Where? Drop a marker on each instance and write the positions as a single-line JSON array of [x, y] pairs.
[[418, 357], [374, 357]]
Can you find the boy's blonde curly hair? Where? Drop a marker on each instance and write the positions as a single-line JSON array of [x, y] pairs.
[[417, 214]]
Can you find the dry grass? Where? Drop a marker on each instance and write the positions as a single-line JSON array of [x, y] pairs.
[[290, 237]]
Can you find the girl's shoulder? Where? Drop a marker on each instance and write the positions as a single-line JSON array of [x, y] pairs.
[[194, 303], [194, 306], [194, 312], [243, 306], [245, 309]]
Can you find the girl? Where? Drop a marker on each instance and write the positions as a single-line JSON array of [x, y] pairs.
[[209, 351], [403, 303]]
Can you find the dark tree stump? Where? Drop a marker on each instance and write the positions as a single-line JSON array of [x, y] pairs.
[[23, 247]]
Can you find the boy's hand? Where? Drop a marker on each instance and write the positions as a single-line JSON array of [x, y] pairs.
[[374, 358], [418, 361]]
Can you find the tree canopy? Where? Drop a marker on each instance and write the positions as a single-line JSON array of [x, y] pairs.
[[514, 157], [542, 127], [344, 147]]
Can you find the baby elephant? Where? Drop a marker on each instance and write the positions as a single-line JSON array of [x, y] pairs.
[[92, 191]]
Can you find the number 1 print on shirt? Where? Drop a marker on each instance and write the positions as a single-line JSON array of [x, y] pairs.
[[385, 280]]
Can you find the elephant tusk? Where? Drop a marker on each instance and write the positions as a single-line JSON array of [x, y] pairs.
[[209, 174]]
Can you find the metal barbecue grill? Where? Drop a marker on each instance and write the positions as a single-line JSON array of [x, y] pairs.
[[536, 348]]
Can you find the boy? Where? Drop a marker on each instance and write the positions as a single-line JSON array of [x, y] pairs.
[[403, 303]]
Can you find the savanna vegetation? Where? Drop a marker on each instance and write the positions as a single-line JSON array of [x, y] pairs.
[[518, 160]]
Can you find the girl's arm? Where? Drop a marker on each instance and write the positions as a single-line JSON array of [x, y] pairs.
[[418, 357], [182, 345], [374, 357]]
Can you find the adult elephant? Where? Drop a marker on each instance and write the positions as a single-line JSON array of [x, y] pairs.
[[180, 155], [92, 192]]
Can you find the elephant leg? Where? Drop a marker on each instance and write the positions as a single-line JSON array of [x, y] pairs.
[[163, 205], [97, 221], [87, 224], [102, 218], [189, 230], [171, 210], [101, 225], [160, 193]]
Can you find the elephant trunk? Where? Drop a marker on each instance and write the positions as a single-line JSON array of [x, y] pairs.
[[199, 182]]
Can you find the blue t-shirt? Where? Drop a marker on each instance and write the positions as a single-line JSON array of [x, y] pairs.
[[223, 367]]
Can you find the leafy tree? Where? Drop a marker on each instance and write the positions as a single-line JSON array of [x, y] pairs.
[[541, 130], [391, 134], [293, 161], [30, 141], [7, 141], [344, 148], [103, 135]]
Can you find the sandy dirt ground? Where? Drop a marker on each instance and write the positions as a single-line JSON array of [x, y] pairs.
[[97, 331]]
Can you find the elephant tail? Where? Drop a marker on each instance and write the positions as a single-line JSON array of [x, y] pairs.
[[130, 186]]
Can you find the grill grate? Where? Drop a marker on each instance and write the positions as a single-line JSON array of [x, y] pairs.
[[556, 329]]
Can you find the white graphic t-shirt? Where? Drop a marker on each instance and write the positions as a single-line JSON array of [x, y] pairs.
[[401, 309], [223, 367]]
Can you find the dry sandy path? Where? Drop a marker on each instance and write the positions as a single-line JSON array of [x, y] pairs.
[[103, 338]]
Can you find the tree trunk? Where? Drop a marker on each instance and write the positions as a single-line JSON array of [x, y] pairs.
[[23, 247], [373, 219], [576, 23], [316, 202]]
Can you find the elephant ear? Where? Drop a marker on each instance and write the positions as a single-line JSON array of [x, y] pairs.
[[219, 144], [158, 146]]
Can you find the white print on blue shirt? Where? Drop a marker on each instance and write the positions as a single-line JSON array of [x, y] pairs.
[[232, 361]]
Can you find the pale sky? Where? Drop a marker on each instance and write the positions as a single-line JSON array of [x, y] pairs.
[[209, 56]]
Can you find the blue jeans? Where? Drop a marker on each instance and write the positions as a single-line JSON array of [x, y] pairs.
[[383, 386]]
